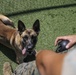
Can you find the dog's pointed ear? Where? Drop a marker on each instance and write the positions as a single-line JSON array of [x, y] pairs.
[[36, 26], [21, 26]]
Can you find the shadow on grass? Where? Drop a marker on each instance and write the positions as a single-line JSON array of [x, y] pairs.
[[8, 52], [40, 9]]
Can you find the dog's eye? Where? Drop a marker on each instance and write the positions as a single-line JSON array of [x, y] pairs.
[[25, 37], [33, 37]]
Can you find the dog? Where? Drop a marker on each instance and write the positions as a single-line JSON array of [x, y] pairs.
[[51, 63], [21, 40]]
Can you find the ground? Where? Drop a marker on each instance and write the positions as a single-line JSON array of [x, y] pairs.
[[57, 18]]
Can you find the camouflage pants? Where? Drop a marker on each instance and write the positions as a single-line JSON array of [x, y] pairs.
[[26, 69]]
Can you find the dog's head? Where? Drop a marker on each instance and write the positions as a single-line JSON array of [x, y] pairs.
[[27, 38]]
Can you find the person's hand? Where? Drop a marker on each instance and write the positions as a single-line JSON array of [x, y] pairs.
[[71, 38]]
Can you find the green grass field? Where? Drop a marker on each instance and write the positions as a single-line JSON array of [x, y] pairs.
[[57, 18]]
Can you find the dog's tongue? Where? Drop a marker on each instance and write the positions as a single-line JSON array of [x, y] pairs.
[[24, 51]]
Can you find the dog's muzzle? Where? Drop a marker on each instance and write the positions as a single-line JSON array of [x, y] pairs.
[[28, 49]]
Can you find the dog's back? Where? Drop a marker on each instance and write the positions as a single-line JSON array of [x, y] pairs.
[[52, 60], [52, 63]]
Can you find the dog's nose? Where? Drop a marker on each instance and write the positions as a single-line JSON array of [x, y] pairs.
[[30, 46]]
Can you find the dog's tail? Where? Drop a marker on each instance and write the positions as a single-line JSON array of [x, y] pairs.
[[6, 20], [7, 69]]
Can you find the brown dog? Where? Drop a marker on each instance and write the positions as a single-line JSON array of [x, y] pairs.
[[21, 40], [52, 63]]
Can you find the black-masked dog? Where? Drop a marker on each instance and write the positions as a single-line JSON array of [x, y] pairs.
[[21, 40]]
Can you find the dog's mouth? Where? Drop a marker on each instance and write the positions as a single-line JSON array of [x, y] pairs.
[[24, 51], [27, 51]]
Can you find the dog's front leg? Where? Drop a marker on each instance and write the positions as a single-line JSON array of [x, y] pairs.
[[19, 58]]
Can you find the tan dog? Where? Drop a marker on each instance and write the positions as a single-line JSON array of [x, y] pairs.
[[52, 63], [52, 60], [22, 41]]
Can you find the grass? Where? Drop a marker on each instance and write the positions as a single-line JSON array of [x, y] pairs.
[[57, 18]]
